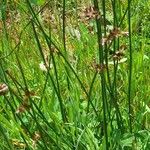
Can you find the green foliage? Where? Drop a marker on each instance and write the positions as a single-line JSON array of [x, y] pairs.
[[74, 75], [38, 2]]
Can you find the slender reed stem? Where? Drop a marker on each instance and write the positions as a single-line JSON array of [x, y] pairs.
[[130, 66], [64, 40], [103, 83]]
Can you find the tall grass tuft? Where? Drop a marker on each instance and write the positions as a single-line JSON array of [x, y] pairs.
[[74, 75]]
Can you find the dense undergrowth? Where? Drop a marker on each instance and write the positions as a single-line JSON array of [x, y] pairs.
[[75, 75]]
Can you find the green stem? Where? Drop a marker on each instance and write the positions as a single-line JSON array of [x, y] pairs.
[[130, 66], [101, 62]]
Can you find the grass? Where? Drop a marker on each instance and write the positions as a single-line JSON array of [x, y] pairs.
[[74, 75]]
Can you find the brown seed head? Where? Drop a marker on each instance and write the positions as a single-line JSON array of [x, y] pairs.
[[3, 89]]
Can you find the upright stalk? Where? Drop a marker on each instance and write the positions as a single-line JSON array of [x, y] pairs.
[[101, 62], [130, 66], [114, 94], [64, 39]]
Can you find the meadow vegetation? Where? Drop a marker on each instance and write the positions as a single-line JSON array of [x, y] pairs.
[[74, 74]]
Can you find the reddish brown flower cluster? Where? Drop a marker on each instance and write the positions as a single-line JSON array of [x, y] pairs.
[[115, 33], [89, 13], [120, 53], [25, 106], [98, 67], [35, 139], [3, 89]]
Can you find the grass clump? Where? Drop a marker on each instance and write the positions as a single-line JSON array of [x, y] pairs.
[[74, 75]]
